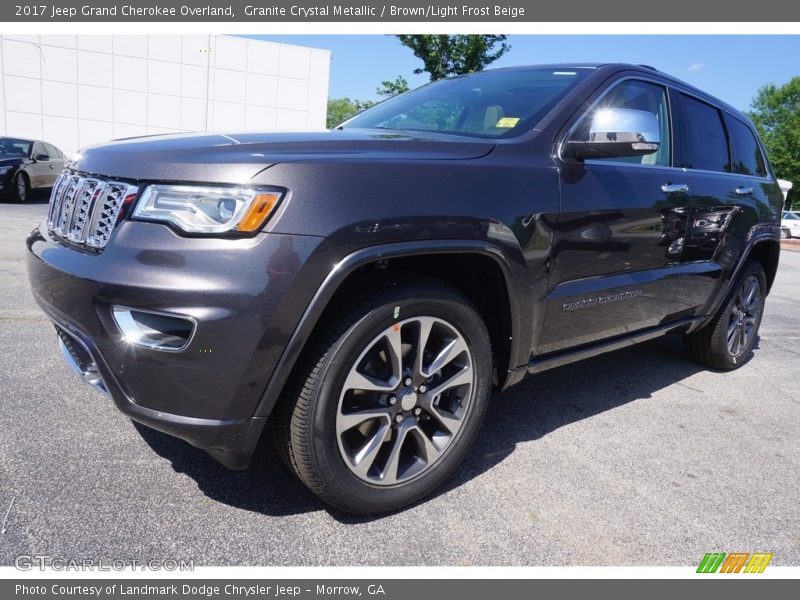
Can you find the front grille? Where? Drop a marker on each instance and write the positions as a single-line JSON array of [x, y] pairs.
[[84, 210]]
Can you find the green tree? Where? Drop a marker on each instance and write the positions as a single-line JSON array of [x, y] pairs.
[[447, 55], [393, 88], [775, 111], [341, 109]]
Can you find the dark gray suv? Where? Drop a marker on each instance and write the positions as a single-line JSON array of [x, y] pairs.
[[357, 294]]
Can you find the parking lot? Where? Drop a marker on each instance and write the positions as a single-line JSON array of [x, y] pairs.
[[638, 457]]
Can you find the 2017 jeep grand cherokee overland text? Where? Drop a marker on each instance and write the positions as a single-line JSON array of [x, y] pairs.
[[356, 294]]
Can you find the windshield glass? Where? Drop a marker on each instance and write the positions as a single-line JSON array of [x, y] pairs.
[[11, 147], [790, 216], [491, 104]]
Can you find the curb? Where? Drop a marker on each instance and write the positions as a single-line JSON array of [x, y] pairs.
[[793, 245]]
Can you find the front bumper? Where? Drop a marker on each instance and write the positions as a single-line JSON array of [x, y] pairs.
[[243, 295]]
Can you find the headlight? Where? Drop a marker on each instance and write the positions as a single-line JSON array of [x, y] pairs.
[[201, 209], [4, 170]]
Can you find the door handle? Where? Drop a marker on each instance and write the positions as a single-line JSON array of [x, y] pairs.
[[744, 191], [675, 188], [52, 167]]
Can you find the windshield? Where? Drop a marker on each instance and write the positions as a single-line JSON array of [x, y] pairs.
[[787, 216], [491, 104], [10, 147]]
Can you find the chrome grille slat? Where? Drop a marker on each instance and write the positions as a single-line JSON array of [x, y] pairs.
[[81, 210], [66, 205], [85, 210], [55, 197]]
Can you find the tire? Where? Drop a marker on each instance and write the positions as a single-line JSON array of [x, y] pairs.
[[785, 234], [378, 461], [22, 187], [727, 342]]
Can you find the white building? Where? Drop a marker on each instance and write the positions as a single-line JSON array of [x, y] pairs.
[[76, 90]]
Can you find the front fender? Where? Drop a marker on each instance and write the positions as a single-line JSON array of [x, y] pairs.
[[512, 267]]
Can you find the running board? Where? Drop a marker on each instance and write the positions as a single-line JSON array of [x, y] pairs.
[[557, 359]]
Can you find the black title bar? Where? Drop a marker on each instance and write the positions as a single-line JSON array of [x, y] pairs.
[[277, 11]]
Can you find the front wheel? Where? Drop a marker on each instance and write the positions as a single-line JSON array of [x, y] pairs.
[[785, 233], [727, 342], [390, 397]]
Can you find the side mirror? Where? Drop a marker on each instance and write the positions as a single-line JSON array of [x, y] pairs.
[[618, 132], [41, 157]]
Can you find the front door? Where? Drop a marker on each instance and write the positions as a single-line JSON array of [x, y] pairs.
[[618, 238], [38, 170]]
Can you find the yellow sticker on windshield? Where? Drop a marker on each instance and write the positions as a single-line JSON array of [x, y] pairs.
[[507, 122]]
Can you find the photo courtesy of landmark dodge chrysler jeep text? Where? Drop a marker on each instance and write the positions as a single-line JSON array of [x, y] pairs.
[[357, 294]]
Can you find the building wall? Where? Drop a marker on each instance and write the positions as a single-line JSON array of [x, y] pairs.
[[77, 90]]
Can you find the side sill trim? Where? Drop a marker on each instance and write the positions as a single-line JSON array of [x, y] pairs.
[[550, 361]]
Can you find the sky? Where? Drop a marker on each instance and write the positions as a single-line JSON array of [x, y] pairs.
[[729, 67]]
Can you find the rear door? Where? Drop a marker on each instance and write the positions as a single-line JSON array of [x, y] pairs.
[[618, 237], [726, 175]]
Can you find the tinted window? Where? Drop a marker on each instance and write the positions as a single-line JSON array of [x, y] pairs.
[[704, 145], [38, 149], [54, 152], [499, 103], [637, 95], [13, 147], [747, 158]]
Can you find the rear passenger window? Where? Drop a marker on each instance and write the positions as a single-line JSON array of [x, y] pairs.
[[747, 158], [704, 145]]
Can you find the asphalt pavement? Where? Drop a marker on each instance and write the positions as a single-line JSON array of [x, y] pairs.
[[638, 457]]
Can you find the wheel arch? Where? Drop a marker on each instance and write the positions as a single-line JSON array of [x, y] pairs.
[[767, 252], [402, 255]]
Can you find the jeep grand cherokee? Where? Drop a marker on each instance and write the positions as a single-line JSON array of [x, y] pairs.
[[363, 290]]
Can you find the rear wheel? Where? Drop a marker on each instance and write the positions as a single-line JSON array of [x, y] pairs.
[[727, 342], [390, 396], [785, 233], [22, 187]]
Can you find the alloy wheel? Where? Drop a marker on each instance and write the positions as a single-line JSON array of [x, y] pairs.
[[404, 400], [745, 313], [22, 188]]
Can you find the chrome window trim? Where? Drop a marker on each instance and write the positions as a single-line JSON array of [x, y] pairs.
[[667, 86], [725, 111]]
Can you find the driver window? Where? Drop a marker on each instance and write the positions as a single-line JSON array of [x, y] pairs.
[[638, 95], [38, 149]]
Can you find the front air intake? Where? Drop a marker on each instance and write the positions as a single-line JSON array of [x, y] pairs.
[[154, 330]]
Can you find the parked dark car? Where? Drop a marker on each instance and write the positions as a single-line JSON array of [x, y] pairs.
[[27, 165], [360, 292]]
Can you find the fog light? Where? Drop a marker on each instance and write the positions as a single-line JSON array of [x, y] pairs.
[[154, 330]]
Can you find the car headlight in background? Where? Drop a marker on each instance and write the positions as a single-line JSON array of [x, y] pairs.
[[4, 170], [203, 209]]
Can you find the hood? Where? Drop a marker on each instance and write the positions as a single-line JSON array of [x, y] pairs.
[[237, 158]]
